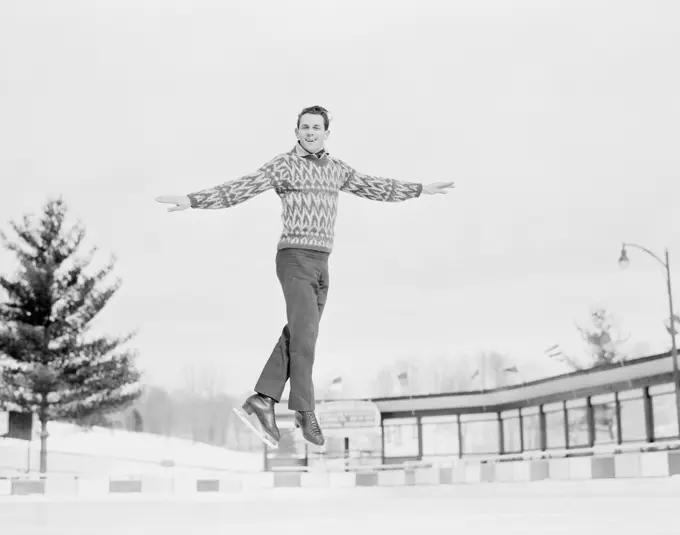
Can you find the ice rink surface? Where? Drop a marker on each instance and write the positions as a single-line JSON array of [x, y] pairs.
[[538, 508]]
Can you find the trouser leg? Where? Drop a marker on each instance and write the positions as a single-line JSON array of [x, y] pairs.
[[304, 280]]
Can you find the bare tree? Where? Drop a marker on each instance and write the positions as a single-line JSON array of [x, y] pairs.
[[482, 371], [206, 402], [157, 409], [603, 339], [603, 342]]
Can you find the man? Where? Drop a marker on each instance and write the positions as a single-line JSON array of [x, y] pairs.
[[308, 181]]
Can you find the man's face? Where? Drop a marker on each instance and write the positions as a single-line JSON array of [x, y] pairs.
[[311, 132]]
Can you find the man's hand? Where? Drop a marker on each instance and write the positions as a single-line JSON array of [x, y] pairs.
[[182, 202], [437, 187]]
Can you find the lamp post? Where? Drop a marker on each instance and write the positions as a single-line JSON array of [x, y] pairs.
[[623, 263]]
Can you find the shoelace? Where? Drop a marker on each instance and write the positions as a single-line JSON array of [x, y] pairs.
[[316, 430]]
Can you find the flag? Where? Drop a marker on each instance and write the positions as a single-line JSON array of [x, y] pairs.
[[511, 369], [403, 379], [336, 384], [671, 327], [554, 351]]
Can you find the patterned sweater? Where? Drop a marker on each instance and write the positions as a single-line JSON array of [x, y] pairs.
[[308, 186]]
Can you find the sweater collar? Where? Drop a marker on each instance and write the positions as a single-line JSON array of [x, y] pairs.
[[304, 153]]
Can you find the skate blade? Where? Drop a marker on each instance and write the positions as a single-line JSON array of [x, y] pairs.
[[256, 428], [313, 447]]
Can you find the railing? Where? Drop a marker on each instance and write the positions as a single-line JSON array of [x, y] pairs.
[[445, 462]]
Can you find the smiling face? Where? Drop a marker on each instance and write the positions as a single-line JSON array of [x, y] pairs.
[[311, 132]]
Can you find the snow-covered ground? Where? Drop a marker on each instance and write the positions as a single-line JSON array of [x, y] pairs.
[[109, 452], [539, 508]]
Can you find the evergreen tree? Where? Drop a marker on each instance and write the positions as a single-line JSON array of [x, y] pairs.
[[50, 364]]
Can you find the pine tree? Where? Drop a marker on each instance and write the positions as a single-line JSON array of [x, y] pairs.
[[50, 363]]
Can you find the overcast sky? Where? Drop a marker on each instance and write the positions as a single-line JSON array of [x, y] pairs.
[[558, 121]]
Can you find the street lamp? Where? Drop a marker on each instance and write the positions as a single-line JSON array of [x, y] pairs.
[[623, 263]]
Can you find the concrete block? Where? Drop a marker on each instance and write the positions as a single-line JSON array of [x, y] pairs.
[[230, 485], [487, 472], [445, 476], [286, 479], [521, 470], [392, 478], [558, 469], [61, 486], [602, 468], [315, 480], [257, 481], [125, 486], [539, 470], [655, 464], [628, 465], [459, 473], [473, 473], [207, 485], [24, 487], [426, 476], [366, 479], [89, 487], [505, 472], [157, 485], [343, 479], [183, 485], [674, 463], [580, 468]]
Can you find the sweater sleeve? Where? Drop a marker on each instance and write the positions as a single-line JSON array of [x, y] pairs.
[[376, 188], [236, 191]]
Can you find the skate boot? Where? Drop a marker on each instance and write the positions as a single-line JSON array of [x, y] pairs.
[[306, 420], [258, 413]]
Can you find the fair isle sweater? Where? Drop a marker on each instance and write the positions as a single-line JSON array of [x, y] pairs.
[[309, 187]]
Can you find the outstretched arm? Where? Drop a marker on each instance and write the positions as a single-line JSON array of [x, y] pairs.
[[229, 193], [388, 189], [377, 188]]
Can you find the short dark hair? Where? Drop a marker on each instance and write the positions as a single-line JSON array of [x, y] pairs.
[[315, 110]]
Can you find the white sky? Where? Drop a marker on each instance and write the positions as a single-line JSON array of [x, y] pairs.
[[559, 122]]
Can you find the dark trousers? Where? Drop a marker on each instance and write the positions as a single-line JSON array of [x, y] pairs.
[[303, 276]]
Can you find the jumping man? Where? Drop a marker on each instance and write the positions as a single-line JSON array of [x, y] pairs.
[[308, 181]]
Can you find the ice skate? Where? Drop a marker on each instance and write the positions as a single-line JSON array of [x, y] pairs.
[[258, 414], [311, 431]]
